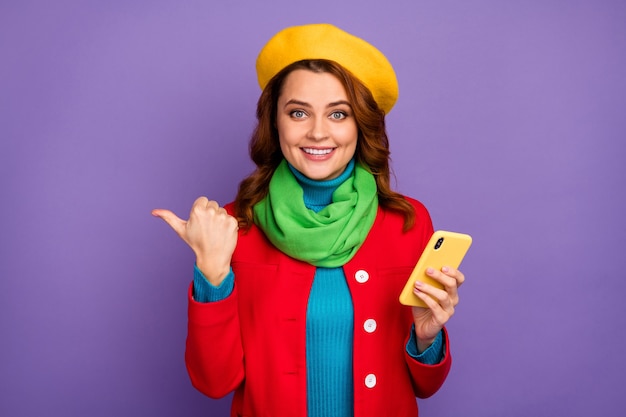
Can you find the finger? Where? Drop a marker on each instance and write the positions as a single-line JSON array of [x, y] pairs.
[[441, 296], [171, 219], [450, 284], [447, 281], [233, 222], [213, 207], [446, 299], [454, 273], [439, 314], [204, 205], [200, 202], [438, 301]]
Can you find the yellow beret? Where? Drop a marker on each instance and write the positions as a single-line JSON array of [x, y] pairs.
[[325, 41]]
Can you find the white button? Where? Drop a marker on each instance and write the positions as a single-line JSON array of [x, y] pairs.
[[369, 325], [361, 276], [370, 381]]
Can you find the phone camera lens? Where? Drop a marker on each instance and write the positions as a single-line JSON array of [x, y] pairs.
[[439, 243]]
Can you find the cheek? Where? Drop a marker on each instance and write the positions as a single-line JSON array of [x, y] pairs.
[[284, 147], [286, 139], [287, 147], [349, 136], [287, 134]]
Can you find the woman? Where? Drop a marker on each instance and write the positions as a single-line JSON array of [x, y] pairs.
[[294, 303]]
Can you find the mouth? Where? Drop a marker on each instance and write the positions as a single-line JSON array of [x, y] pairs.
[[317, 152]]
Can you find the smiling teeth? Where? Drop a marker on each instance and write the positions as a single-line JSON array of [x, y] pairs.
[[317, 151]]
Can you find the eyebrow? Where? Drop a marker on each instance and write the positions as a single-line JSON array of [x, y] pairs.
[[305, 104]]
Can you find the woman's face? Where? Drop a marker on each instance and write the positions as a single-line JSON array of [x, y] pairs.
[[316, 127]]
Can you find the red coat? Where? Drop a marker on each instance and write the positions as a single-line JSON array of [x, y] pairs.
[[253, 341]]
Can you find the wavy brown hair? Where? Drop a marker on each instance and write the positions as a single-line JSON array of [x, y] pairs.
[[372, 148]]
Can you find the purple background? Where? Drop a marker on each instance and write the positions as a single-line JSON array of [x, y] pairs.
[[510, 126]]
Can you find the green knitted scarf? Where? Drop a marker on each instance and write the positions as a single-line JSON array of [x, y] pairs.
[[329, 238]]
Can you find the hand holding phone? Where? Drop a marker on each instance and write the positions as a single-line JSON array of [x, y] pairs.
[[443, 249]]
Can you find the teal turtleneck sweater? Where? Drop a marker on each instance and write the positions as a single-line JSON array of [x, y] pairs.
[[329, 323]]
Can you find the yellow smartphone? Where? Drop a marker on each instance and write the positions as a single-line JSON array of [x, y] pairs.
[[443, 249]]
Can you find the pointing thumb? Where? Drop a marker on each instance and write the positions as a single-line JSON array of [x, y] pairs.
[[171, 219]]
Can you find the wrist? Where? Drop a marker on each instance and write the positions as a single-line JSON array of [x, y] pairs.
[[214, 274], [423, 344]]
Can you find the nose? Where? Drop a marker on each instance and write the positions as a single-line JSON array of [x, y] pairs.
[[319, 129]]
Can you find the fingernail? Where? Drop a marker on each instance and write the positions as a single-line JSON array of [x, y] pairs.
[[430, 271], [445, 269], [419, 284]]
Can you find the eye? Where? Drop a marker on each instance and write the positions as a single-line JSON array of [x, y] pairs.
[[297, 114], [338, 115]]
